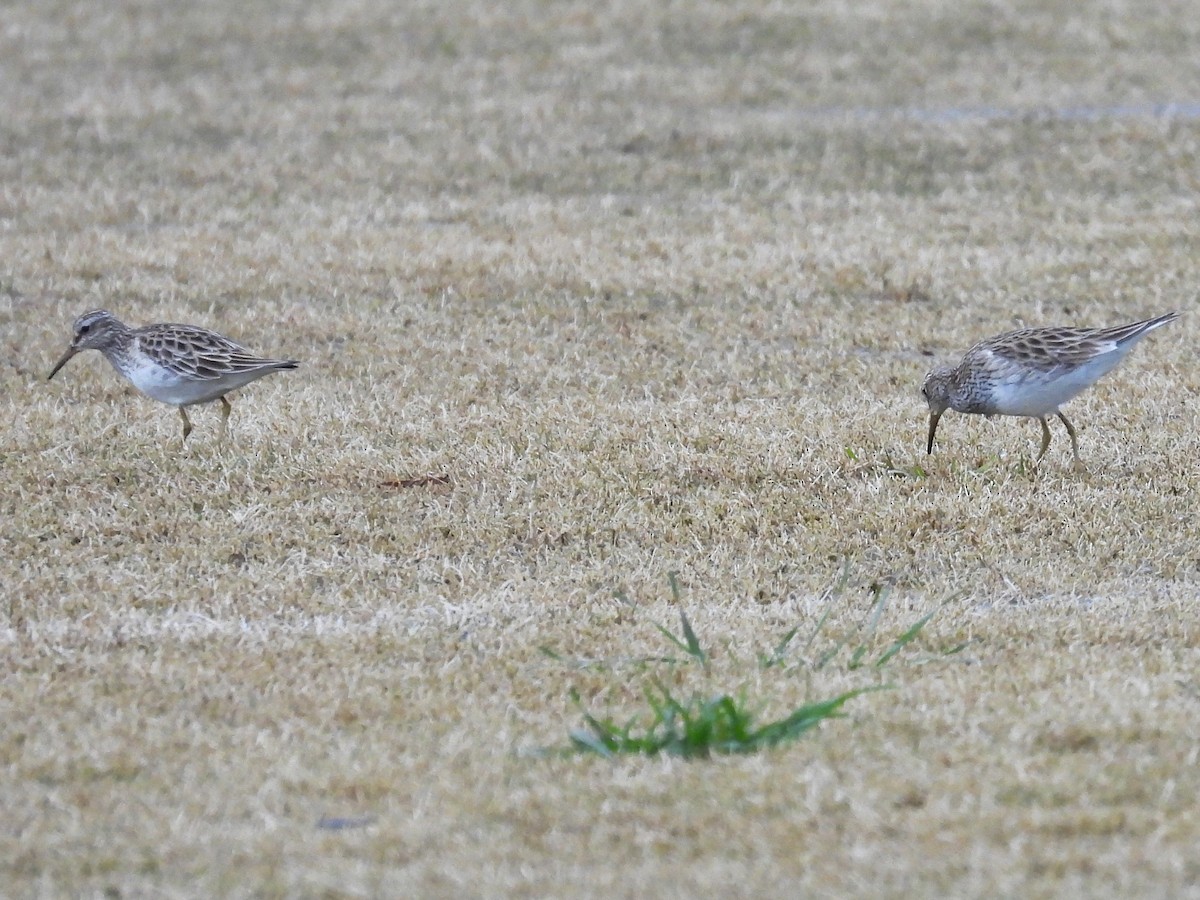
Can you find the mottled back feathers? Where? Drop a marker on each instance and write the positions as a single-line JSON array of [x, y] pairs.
[[195, 352], [1046, 349]]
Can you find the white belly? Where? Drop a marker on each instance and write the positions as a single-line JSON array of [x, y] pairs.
[[168, 387], [1041, 394]]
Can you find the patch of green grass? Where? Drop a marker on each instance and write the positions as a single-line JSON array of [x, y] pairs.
[[699, 727], [703, 724]]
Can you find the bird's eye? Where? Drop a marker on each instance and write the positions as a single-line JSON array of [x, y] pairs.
[[85, 328]]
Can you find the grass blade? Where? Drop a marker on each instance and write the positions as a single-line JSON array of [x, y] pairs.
[[834, 595], [693, 642], [690, 643], [901, 642], [778, 655]]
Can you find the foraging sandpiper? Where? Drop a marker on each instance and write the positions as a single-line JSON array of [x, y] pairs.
[[177, 364], [1031, 373]]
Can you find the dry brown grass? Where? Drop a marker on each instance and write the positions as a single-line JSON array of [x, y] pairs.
[[585, 295]]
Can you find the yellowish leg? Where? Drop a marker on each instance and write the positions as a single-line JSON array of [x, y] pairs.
[[1045, 440], [187, 425], [226, 409], [1074, 443]]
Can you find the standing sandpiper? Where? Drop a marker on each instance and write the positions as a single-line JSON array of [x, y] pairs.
[[1031, 373], [177, 364]]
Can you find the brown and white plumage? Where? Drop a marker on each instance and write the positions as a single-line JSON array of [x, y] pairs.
[[182, 365], [1031, 372]]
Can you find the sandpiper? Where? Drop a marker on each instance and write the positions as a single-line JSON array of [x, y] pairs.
[[177, 364], [1031, 372]]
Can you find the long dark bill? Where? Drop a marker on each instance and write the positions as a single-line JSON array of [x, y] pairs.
[[71, 351], [933, 420]]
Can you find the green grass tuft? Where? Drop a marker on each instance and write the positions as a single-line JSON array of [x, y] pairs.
[[698, 728], [705, 724]]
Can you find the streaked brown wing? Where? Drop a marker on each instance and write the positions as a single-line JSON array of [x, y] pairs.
[[199, 353]]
